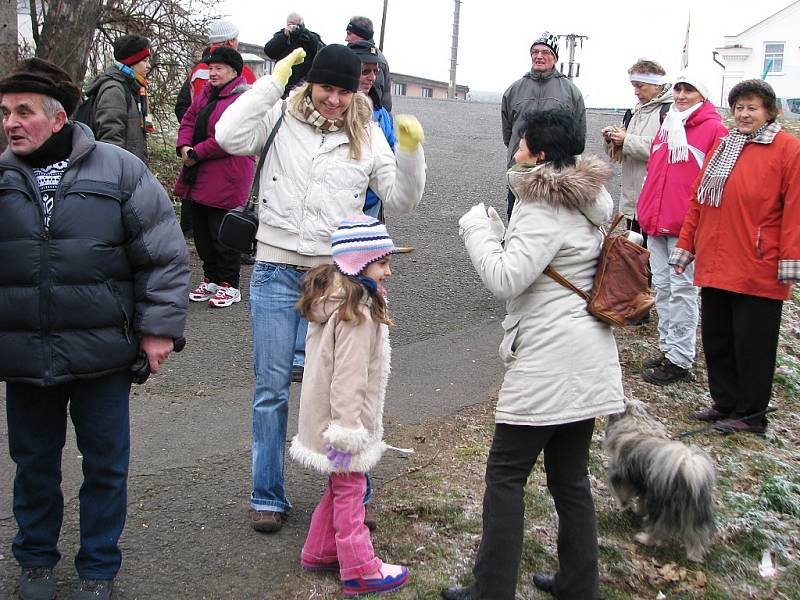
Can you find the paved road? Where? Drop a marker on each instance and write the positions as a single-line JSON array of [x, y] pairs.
[[186, 535]]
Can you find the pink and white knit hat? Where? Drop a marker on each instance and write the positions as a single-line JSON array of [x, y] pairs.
[[358, 241]]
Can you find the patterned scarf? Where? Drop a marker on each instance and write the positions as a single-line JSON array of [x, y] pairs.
[[146, 122], [312, 116], [721, 164], [673, 132]]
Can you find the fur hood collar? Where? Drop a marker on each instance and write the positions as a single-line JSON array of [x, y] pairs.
[[579, 187]]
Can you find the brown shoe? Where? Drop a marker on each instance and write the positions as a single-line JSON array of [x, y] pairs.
[[369, 518], [729, 426], [708, 414], [265, 521]]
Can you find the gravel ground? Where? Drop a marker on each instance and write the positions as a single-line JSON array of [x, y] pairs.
[[186, 536]]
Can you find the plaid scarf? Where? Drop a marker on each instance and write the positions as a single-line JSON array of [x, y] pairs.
[[312, 116], [721, 164]]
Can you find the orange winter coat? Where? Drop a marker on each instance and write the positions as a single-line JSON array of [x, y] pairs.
[[740, 245]]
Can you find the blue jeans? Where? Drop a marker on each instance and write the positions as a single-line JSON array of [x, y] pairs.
[[37, 428], [299, 359]]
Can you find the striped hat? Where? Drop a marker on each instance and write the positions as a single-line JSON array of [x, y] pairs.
[[358, 241]]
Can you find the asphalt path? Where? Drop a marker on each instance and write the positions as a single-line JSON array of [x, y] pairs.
[[186, 534]]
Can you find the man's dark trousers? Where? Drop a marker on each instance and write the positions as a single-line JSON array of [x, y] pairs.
[[37, 425]]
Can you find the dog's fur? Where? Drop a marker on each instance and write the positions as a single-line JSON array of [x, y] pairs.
[[670, 483]]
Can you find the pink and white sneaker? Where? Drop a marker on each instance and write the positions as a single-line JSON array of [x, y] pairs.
[[225, 296], [204, 291]]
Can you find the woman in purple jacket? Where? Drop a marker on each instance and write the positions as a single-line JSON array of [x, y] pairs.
[[212, 179]]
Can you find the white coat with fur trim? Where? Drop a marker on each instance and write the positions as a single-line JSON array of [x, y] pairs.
[[344, 385], [562, 364]]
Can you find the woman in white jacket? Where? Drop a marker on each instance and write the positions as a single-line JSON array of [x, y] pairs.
[[326, 153], [562, 365]]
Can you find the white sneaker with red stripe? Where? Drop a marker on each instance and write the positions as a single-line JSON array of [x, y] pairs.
[[225, 296], [203, 292]]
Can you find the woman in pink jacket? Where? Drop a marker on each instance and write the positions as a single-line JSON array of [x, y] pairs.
[[689, 130], [212, 179]]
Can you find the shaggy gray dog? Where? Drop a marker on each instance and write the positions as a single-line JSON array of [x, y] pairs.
[[670, 483]]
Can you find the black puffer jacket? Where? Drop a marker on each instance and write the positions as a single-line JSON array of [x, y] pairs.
[[113, 266]]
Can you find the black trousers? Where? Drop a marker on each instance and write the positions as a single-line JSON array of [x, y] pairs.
[[220, 263], [514, 451], [740, 341], [510, 205]]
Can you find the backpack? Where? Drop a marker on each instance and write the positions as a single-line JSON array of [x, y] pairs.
[[621, 291], [662, 114], [85, 111]]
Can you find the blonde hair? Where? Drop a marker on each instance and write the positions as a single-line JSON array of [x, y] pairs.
[[356, 117], [327, 281]]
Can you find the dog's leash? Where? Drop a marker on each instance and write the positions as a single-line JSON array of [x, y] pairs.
[[713, 425]]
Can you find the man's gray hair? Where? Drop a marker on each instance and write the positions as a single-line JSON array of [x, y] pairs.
[[364, 22], [51, 106], [295, 16]]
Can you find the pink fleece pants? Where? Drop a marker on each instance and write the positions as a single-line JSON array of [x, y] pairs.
[[337, 532]]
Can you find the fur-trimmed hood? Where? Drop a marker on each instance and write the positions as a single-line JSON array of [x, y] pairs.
[[575, 187]]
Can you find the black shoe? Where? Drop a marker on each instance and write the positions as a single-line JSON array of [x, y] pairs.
[[297, 373], [456, 593], [94, 589], [665, 373], [654, 361], [544, 582], [37, 583]]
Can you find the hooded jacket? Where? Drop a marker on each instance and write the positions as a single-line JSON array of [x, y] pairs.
[[540, 91], [344, 386], [223, 181], [635, 149], [667, 188], [112, 267], [561, 362], [116, 112]]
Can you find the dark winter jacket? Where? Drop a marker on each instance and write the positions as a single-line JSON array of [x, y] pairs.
[[112, 267], [540, 91], [281, 45], [222, 180], [116, 112], [382, 84]]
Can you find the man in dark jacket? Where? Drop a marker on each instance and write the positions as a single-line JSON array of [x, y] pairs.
[[543, 87], [93, 273], [360, 31], [284, 41]]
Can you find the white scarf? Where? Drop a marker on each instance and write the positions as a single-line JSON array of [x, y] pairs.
[[673, 132]]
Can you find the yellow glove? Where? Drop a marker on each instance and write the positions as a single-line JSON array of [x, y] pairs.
[[283, 68], [409, 132]]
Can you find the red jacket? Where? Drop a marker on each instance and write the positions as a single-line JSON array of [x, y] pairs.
[[668, 186], [739, 246]]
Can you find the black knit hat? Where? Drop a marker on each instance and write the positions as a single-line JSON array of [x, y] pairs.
[[227, 56], [549, 40], [130, 49], [336, 65], [41, 77]]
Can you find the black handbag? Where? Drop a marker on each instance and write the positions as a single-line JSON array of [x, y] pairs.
[[239, 225]]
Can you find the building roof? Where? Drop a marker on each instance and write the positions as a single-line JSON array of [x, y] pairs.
[[769, 18], [400, 77]]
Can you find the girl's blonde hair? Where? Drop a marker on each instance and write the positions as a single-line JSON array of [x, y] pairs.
[[357, 117], [327, 281]]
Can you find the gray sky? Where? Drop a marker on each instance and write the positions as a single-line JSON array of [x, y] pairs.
[[495, 35]]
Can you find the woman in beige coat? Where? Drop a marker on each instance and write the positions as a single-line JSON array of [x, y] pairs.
[[562, 365]]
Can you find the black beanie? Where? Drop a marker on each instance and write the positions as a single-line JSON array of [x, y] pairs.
[[336, 65], [41, 77], [227, 56], [130, 49]]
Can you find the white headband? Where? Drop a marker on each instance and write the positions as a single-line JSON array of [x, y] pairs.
[[653, 78]]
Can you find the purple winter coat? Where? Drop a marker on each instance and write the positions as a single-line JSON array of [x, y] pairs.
[[223, 180]]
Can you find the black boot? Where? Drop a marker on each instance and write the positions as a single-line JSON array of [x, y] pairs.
[[544, 582], [456, 593]]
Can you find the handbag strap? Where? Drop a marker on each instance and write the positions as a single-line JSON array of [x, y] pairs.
[[559, 278], [256, 187]]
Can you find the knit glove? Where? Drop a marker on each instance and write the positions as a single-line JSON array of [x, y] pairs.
[[340, 461], [283, 68], [474, 216], [496, 224], [409, 132]]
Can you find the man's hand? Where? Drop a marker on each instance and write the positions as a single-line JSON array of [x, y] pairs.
[[157, 350]]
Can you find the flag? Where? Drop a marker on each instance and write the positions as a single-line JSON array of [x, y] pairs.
[[767, 69], [685, 54]]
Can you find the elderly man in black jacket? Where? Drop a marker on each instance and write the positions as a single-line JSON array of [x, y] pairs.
[[93, 272], [286, 40]]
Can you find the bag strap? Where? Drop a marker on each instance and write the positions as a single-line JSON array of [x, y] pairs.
[[256, 187], [559, 278]]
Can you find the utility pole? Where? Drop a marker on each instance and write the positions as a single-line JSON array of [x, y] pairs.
[[383, 25], [451, 89], [573, 39]]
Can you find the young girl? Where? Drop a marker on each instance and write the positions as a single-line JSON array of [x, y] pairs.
[[341, 403]]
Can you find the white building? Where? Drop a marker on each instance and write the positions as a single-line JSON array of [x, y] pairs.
[[771, 46]]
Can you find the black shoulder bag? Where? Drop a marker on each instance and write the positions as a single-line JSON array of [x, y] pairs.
[[239, 225]]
